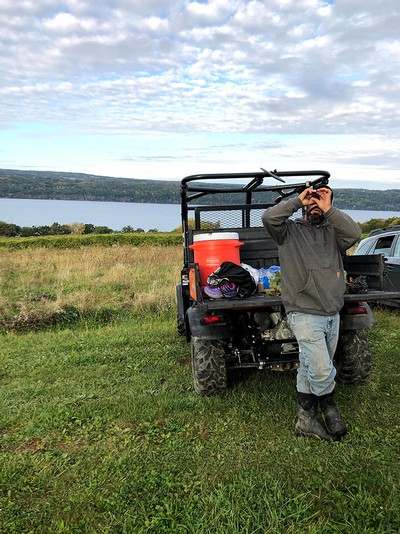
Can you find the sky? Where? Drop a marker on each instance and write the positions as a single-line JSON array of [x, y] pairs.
[[161, 89]]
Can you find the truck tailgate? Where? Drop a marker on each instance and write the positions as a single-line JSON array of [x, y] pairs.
[[260, 300]]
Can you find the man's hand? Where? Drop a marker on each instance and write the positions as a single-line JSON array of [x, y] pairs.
[[324, 201]]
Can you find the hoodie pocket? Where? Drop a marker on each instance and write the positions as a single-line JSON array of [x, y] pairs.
[[323, 291]]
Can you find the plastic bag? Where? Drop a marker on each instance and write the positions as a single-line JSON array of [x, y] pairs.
[[268, 277]]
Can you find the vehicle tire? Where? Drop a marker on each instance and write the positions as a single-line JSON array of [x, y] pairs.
[[180, 324], [353, 357], [208, 367]]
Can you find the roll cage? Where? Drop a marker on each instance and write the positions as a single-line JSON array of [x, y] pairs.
[[198, 190]]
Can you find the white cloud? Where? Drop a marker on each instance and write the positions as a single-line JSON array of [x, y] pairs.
[[184, 67], [210, 11]]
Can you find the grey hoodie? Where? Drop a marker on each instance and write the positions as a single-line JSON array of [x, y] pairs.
[[312, 276]]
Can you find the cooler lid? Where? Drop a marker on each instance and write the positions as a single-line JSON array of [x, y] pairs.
[[214, 236]]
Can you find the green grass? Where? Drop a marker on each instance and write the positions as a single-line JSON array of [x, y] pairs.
[[101, 432]]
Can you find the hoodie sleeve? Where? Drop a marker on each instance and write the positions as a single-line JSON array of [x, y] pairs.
[[275, 219], [347, 231]]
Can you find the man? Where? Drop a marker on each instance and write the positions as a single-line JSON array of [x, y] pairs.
[[313, 284]]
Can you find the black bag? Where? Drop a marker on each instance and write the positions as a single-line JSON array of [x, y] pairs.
[[231, 272], [358, 285]]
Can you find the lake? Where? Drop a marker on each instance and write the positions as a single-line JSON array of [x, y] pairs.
[[115, 215]]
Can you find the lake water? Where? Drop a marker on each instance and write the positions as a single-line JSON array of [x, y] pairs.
[[115, 215]]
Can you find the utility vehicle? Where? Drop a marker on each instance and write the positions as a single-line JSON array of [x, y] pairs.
[[253, 332]]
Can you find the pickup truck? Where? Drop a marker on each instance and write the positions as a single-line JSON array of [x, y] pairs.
[[253, 332]]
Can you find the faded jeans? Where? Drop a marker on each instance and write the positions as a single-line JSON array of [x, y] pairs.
[[317, 336]]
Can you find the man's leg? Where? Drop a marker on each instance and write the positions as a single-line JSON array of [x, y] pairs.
[[317, 337], [333, 420]]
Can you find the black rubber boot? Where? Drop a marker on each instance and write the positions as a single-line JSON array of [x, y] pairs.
[[333, 420], [307, 424]]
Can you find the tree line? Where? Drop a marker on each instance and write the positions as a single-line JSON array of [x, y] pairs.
[[13, 230]]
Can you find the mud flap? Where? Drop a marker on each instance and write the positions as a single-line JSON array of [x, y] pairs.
[[359, 321], [222, 330]]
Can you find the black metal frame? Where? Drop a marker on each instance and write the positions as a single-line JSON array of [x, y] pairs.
[[191, 190]]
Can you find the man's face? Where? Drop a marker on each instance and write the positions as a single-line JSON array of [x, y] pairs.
[[313, 213], [316, 203]]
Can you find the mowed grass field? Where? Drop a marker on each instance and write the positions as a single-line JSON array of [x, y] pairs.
[[101, 431]]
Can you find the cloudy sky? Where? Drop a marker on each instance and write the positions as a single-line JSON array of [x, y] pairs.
[[166, 88]]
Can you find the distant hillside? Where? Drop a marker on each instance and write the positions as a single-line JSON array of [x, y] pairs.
[[78, 186]]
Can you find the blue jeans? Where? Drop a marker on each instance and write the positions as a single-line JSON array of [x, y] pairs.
[[317, 336]]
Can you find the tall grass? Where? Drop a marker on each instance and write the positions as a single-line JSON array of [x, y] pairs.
[[41, 286]]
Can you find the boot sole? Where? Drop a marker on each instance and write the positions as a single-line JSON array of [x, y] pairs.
[[339, 435]]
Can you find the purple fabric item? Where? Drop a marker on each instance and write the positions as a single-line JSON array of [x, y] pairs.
[[226, 289]]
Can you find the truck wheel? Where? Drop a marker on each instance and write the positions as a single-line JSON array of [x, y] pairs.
[[353, 357], [180, 324], [208, 367]]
